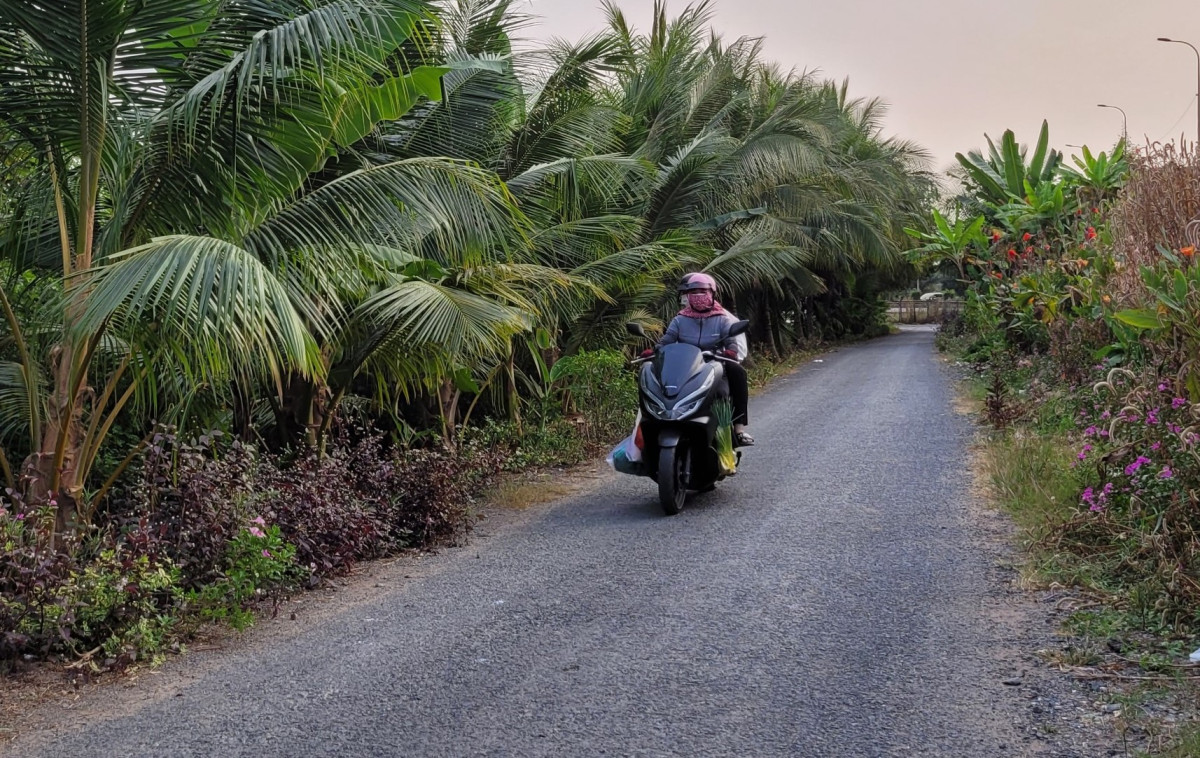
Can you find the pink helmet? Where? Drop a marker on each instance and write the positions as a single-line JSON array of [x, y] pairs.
[[698, 281]]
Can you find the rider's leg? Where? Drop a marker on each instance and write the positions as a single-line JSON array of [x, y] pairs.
[[739, 394]]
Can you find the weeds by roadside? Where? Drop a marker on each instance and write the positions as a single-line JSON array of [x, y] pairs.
[[1129, 621]]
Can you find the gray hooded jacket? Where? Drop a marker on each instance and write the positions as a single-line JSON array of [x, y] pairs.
[[709, 333]]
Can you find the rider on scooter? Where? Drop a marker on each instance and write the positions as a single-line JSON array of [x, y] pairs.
[[705, 324]]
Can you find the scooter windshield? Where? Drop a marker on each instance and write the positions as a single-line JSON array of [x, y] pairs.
[[676, 364]]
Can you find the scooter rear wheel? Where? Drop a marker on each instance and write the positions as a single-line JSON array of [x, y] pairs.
[[673, 464]]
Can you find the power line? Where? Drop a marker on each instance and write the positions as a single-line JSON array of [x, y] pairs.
[[1186, 112]]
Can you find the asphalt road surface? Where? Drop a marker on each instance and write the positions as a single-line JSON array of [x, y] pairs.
[[831, 600]]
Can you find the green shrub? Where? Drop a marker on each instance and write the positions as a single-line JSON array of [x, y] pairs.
[[121, 601], [259, 565], [601, 388], [555, 442]]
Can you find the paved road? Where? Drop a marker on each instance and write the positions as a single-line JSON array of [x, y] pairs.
[[833, 600]]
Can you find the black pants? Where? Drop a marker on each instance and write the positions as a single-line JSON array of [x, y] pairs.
[[739, 392]]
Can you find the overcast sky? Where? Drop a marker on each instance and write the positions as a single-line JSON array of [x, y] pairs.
[[953, 70]]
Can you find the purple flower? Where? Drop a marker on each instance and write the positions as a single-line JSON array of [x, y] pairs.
[[1152, 416], [1132, 468], [1083, 453], [1178, 403], [1095, 502], [1089, 432], [1106, 414], [1103, 432], [1156, 446], [1166, 473], [1108, 488], [1162, 387], [1174, 428]]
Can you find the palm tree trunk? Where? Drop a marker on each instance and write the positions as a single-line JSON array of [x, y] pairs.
[[51, 472], [448, 397]]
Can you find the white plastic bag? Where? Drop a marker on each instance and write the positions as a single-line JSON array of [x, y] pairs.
[[626, 457], [633, 450]]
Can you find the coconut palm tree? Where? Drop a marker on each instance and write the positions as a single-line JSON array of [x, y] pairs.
[[171, 192]]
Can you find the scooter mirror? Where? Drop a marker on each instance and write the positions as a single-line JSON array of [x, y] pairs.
[[738, 327], [636, 330]]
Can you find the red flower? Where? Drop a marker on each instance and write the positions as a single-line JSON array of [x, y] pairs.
[[1091, 232], [997, 274], [1029, 250], [1095, 210], [1012, 254], [1026, 237], [995, 236]]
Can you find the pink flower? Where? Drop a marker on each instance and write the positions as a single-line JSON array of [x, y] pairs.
[[1132, 468], [1162, 387], [255, 531], [1166, 473], [266, 554], [259, 521]]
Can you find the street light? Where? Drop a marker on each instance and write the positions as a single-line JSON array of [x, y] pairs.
[[1197, 52], [1124, 120]]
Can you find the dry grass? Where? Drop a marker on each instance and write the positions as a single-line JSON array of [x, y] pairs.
[[530, 489], [1158, 203]]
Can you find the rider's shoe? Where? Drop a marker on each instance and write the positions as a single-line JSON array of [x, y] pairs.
[[743, 439]]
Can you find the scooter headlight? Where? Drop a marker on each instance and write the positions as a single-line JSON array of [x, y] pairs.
[[655, 409], [690, 404], [680, 412]]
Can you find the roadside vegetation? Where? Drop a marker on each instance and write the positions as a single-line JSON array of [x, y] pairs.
[[285, 285], [1080, 330]]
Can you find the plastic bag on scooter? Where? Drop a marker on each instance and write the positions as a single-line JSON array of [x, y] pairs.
[[626, 457]]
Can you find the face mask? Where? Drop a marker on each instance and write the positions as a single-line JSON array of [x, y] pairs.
[[700, 301]]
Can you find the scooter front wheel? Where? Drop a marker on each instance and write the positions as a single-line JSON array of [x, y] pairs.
[[673, 464]]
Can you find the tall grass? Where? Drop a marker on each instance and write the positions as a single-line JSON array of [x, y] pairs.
[[1031, 477], [1158, 203]]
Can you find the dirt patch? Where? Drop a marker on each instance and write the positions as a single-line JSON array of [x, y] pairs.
[[523, 491]]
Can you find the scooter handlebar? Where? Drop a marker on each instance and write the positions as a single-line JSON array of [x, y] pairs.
[[716, 357], [708, 355]]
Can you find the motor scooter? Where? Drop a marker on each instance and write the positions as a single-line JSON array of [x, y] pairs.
[[679, 389]]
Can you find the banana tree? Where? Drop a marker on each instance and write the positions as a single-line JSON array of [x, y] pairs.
[[952, 241], [1098, 178], [1001, 177]]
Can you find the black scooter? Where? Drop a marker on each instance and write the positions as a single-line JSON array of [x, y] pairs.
[[678, 387]]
